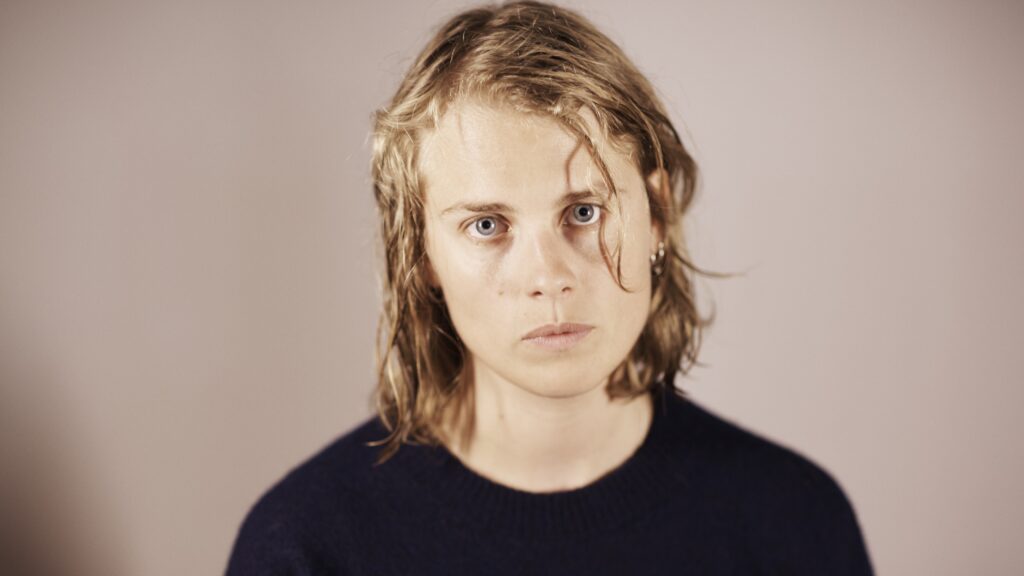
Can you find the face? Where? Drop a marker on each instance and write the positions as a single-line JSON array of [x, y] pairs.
[[513, 205]]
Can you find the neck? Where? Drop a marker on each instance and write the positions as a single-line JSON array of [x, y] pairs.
[[544, 444]]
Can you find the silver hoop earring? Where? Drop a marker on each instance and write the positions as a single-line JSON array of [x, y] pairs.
[[658, 260]]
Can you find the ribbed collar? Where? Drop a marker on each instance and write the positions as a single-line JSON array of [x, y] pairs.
[[626, 494]]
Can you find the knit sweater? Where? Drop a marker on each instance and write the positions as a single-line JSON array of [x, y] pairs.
[[701, 496]]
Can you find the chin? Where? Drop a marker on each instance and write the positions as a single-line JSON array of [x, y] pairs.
[[566, 384]]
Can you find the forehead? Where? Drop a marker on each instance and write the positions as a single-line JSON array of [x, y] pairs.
[[481, 149]]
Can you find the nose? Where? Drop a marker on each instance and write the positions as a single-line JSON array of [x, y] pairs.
[[548, 266]]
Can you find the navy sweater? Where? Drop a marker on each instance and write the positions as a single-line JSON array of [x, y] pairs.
[[699, 496]]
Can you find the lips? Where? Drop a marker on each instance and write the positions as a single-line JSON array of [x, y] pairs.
[[557, 338], [558, 329]]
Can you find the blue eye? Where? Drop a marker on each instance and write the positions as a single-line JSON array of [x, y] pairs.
[[586, 213], [484, 227]]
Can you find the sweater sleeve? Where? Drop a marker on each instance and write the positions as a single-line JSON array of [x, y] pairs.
[[274, 540], [843, 551], [267, 547], [806, 522]]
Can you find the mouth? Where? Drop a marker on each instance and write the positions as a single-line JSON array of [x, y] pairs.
[[558, 336]]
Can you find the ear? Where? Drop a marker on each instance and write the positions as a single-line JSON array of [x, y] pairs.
[[659, 193]]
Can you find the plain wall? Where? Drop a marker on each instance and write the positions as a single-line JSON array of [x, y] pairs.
[[187, 289]]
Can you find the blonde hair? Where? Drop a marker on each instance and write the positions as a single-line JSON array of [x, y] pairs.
[[538, 58]]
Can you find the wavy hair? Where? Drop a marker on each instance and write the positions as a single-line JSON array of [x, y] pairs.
[[537, 58]]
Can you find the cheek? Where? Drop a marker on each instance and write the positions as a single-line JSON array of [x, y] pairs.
[[634, 246], [481, 314], [470, 280], [469, 272], [459, 268]]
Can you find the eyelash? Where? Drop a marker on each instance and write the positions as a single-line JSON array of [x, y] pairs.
[[599, 208]]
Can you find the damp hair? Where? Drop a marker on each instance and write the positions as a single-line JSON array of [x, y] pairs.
[[538, 59]]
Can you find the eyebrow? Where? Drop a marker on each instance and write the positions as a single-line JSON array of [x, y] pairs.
[[566, 199]]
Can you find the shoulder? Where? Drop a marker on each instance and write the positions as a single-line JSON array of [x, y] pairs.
[[722, 446], [302, 521], [791, 505]]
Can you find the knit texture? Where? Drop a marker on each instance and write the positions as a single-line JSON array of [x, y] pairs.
[[701, 496]]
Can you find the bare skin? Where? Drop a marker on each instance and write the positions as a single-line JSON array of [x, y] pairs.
[[512, 205]]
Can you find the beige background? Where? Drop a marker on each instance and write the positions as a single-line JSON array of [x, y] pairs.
[[187, 299]]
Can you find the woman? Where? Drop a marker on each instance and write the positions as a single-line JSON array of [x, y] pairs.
[[539, 304]]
